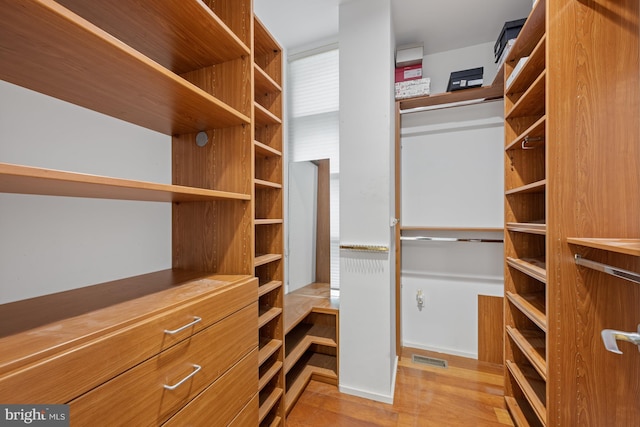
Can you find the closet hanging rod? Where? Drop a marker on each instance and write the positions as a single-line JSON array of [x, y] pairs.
[[604, 268], [450, 239], [365, 248], [448, 105]]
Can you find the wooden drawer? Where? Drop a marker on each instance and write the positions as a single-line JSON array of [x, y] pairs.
[[138, 397], [220, 403], [62, 376]]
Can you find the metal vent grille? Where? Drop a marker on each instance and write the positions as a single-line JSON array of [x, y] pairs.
[[431, 361]]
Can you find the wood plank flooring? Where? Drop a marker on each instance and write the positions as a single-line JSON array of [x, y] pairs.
[[466, 393]]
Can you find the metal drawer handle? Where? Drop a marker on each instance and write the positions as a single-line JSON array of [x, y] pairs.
[[196, 319], [179, 383], [610, 336]]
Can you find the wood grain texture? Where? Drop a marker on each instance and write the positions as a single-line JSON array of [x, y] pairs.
[[86, 349], [593, 159], [55, 52], [232, 395], [139, 394], [179, 35], [486, 92], [468, 393], [236, 14], [490, 329]]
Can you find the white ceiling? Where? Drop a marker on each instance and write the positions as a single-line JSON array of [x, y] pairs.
[[440, 24]]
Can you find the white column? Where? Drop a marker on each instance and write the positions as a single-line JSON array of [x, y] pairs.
[[367, 125]]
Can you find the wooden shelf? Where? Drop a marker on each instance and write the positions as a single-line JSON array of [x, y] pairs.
[[265, 150], [264, 82], [621, 246], [50, 182], [534, 187], [301, 302], [179, 35], [533, 67], [268, 287], [481, 93], [100, 72], [533, 345], [535, 131], [531, 305], [266, 259], [531, 103], [269, 374], [277, 422], [528, 227], [534, 267], [302, 337], [268, 346], [268, 401], [260, 183], [265, 117], [313, 364], [531, 32], [517, 413], [267, 221], [533, 388], [267, 314]]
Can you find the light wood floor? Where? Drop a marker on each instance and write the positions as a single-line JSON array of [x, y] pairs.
[[466, 393]]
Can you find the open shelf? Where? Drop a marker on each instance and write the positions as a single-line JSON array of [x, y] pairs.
[[531, 305], [528, 227], [265, 117], [532, 68], [535, 136], [310, 366], [264, 289], [101, 73], [266, 258], [529, 103], [268, 346], [534, 267], [265, 150], [180, 35], [518, 413], [264, 82], [302, 337], [533, 345], [50, 182], [621, 246], [534, 187], [480, 94], [260, 183], [267, 221], [531, 32], [267, 314], [533, 388], [268, 375], [268, 401]]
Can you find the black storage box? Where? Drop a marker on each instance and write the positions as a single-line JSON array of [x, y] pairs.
[[510, 30], [465, 79]]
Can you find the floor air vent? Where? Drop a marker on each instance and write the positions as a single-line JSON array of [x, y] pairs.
[[431, 361]]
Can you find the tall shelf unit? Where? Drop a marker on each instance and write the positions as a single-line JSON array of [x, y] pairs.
[[572, 152], [182, 68], [269, 221]]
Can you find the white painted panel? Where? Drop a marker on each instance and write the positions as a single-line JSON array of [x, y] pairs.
[[52, 244], [303, 215], [452, 167]]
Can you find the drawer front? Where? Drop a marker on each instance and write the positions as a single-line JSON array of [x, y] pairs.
[[219, 404], [60, 378], [139, 397]]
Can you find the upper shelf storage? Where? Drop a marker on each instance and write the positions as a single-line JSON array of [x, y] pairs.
[[267, 53], [49, 182], [622, 246], [47, 48]]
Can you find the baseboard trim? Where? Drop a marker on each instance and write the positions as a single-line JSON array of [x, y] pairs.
[[441, 350], [369, 395]]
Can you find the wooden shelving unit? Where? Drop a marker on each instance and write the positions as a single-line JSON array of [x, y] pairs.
[[311, 342], [268, 220], [526, 322], [179, 67], [572, 151]]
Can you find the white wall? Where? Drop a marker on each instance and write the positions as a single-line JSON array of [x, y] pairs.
[[452, 176], [51, 244], [439, 66], [367, 318]]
